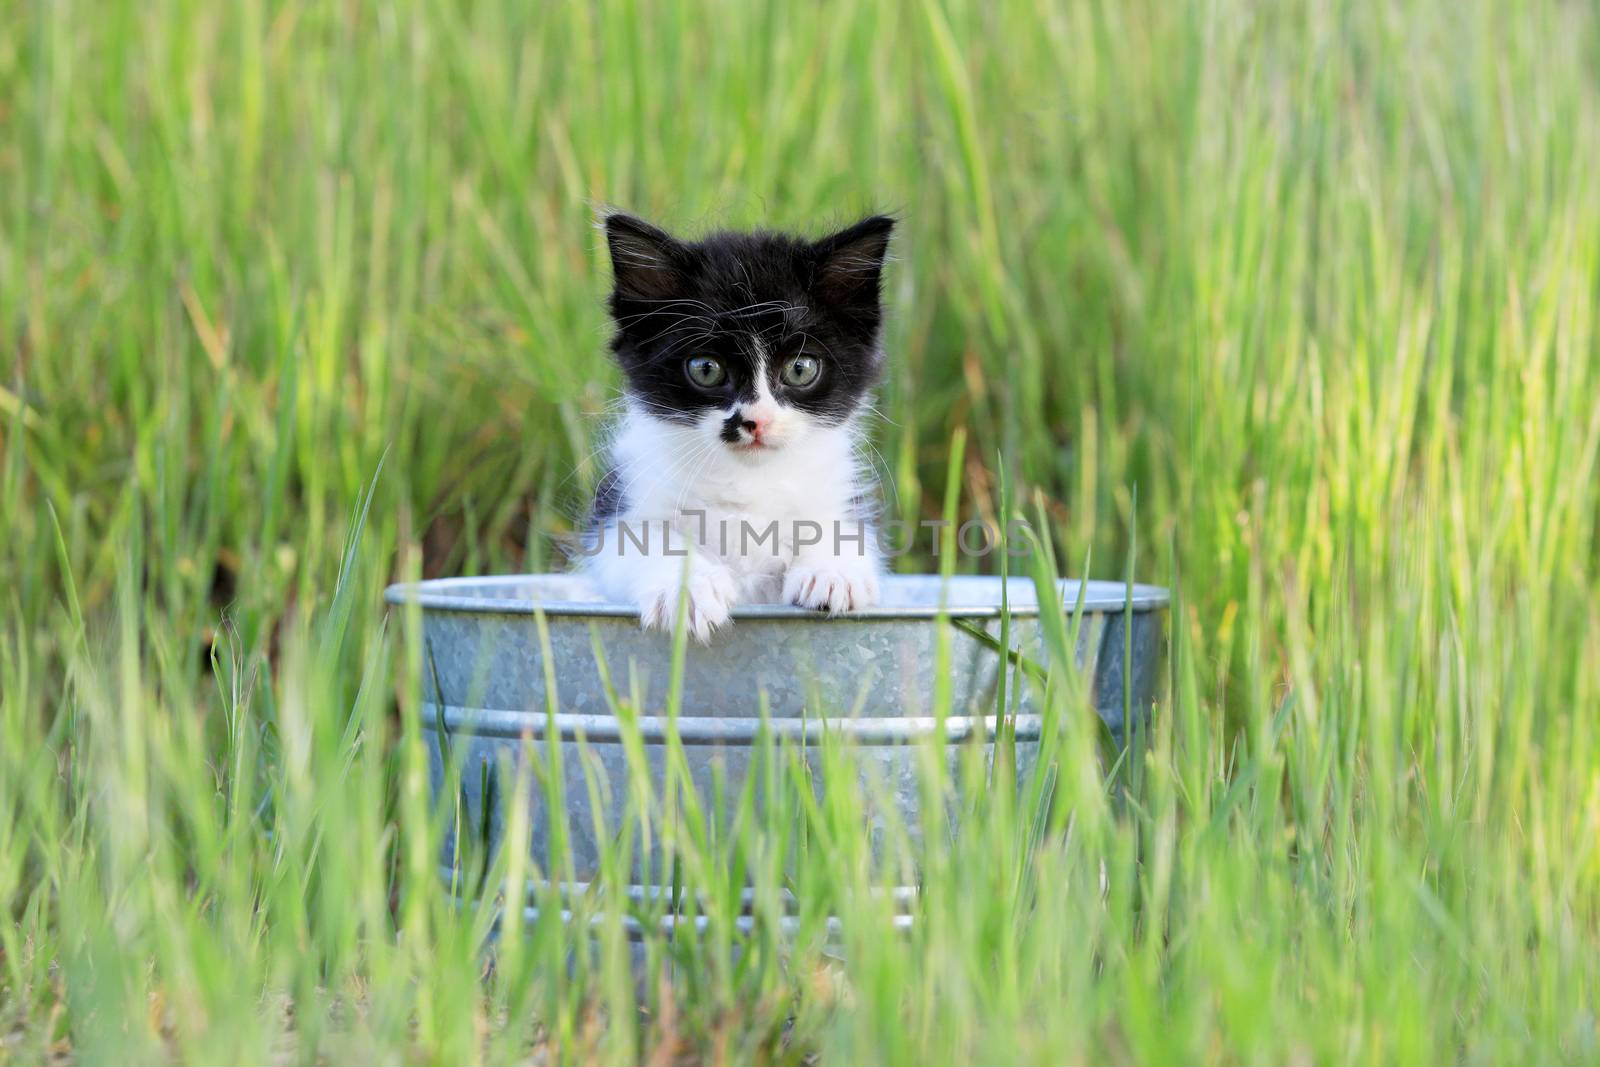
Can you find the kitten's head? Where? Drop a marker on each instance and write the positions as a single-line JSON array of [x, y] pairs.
[[756, 340]]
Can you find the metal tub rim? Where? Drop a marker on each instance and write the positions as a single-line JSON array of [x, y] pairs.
[[486, 596]]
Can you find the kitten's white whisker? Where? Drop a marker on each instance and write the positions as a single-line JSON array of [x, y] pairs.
[[704, 456], [678, 464], [655, 312], [879, 464], [751, 310], [875, 410], [680, 345], [675, 300]]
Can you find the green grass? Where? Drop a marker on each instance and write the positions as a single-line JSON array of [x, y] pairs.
[[1320, 280]]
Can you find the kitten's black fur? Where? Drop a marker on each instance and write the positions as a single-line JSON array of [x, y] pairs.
[[736, 296]]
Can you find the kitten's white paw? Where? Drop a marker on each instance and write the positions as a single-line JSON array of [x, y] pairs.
[[712, 592], [832, 586]]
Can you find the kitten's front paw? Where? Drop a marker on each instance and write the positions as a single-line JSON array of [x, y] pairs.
[[711, 591], [833, 586]]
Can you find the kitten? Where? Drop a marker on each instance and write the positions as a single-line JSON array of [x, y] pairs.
[[748, 360]]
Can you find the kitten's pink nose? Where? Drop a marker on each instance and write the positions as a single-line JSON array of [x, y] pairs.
[[756, 420]]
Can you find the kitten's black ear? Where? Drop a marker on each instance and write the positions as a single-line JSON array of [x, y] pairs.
[[850, 262], [646, 263]]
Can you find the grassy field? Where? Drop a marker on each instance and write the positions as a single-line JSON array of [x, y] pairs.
[[1313, 283]]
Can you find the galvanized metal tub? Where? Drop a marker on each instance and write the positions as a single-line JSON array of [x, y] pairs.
[[867, 678]]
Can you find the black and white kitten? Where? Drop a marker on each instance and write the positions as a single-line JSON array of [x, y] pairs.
[[748, 360]]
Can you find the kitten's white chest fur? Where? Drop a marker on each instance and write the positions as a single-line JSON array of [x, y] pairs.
[[781, 525]]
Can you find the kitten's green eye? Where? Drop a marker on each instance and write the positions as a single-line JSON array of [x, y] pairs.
[[706, 372], [801, 371]]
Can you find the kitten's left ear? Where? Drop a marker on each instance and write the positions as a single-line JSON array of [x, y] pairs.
[[850, 262]]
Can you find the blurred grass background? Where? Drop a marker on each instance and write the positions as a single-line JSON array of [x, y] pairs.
[[1319, 279]]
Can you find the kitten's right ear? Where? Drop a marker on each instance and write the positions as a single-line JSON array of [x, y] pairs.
[[646, 262]]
